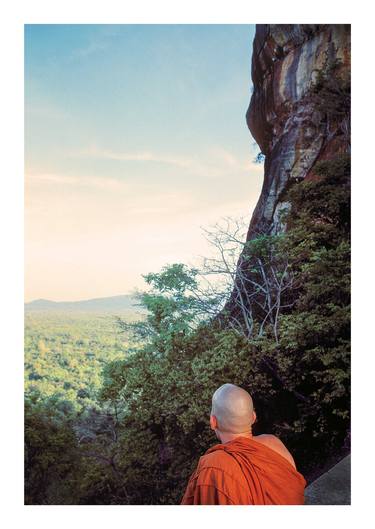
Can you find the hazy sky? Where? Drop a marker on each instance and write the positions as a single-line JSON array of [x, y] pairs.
[[135, 136]]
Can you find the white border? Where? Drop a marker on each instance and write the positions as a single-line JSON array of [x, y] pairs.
[[69, 11]]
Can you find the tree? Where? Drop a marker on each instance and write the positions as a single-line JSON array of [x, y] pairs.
[[271, 315], [258, 280], [51, 452]]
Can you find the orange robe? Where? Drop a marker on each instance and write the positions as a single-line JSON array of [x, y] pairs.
[[244, 472]]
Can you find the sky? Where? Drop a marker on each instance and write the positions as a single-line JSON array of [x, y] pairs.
[[135, 138]]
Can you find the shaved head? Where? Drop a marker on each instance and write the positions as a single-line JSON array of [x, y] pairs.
[[233, 408]]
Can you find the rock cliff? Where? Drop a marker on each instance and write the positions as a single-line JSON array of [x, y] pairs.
[[294, 125]]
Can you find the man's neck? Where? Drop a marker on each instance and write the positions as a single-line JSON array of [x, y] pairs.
[[225, 437]]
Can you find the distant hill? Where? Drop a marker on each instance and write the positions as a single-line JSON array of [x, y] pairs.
[[111, 304]]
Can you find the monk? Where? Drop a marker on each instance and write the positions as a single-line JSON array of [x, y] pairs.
[[243, 469]]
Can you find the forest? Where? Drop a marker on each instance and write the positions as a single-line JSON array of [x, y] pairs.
[[65, 353], [117, 409]]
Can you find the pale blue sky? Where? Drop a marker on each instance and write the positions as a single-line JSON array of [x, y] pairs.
[[135, 136]]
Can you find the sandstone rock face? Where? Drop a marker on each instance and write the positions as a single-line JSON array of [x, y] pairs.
[[291, 130]]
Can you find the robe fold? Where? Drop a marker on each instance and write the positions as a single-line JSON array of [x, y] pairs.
[[244, 472]]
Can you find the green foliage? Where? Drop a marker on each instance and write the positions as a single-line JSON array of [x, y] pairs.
[[137, 440], [300, 384], [51, 451], [259, 158], [330, 95], [66, 352], [316, 335], [172, 309], [331, 91], [166, 406]]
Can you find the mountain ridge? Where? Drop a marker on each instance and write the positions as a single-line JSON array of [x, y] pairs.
[[105, 304]]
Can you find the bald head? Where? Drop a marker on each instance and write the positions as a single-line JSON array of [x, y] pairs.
[[233, 408]]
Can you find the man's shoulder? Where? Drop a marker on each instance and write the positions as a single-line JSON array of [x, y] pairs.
[[275, 444], [219, 459], [266, 438], [214, 456], [219, 467], [269, 440]]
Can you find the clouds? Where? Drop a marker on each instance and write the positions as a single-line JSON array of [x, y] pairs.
[[142, 156], [135, 137], [142, 179], [216, 162], [83, 181], [99, 41], [82, 229], [194, 182]]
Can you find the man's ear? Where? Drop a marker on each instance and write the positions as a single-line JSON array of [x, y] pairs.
[[213, 422], [254, 417]]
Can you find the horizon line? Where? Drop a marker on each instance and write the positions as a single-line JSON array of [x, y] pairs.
[[80, 300]]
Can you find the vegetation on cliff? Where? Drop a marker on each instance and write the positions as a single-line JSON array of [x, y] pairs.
[[142, 439]]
